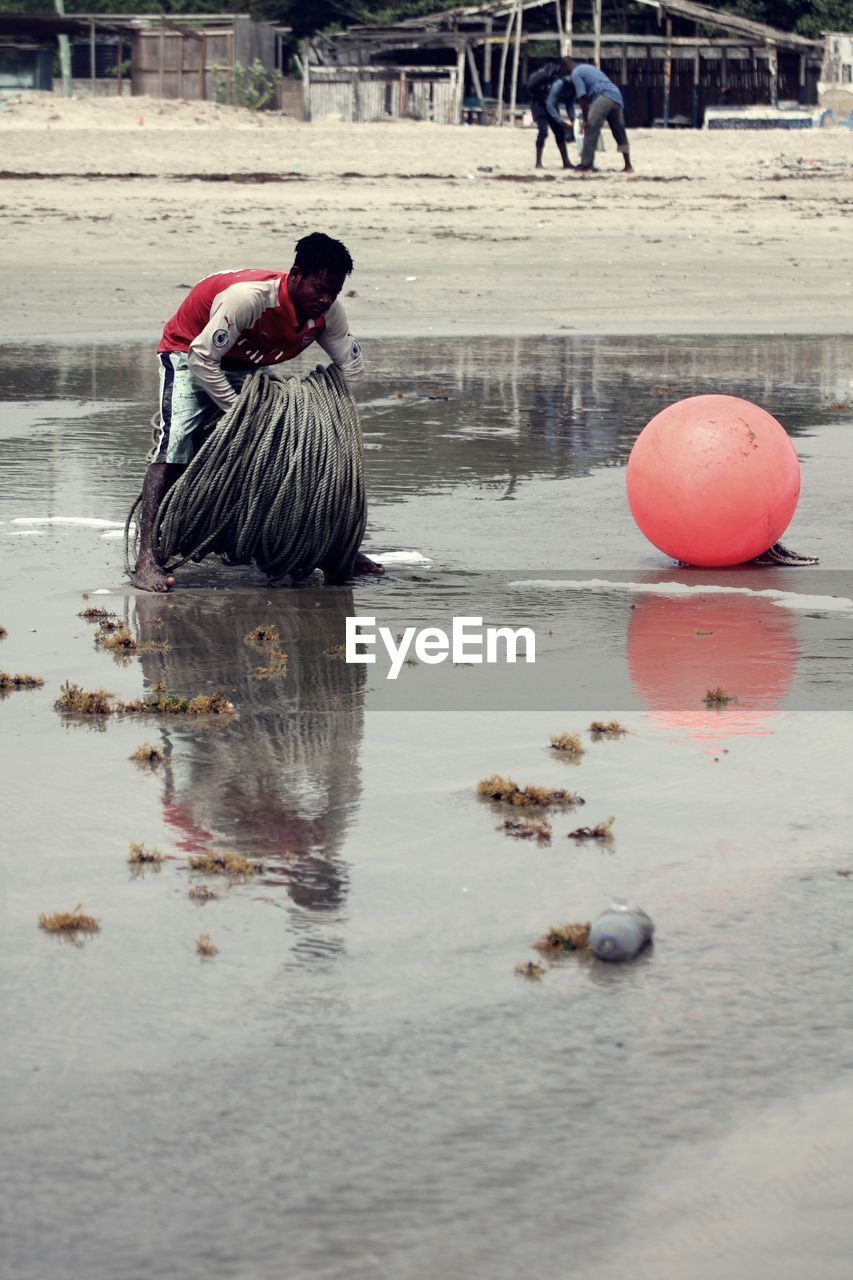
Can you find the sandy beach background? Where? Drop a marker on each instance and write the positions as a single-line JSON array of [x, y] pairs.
[[109, 207]]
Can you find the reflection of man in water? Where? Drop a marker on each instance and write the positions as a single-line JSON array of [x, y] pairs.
[[228, 326], [280, 782]]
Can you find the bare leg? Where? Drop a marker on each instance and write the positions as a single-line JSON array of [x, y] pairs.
[[539, 150], [147, 574]]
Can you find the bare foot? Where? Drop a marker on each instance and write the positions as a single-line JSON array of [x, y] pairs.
[[629, 168], [361, 564], [148, 576]]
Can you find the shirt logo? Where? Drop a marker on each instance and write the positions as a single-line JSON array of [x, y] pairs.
[[220, 338]]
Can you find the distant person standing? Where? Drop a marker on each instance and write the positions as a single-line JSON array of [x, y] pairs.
[[599, 101], [548, 88]]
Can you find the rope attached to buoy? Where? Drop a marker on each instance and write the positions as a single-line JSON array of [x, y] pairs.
[[279, 481]]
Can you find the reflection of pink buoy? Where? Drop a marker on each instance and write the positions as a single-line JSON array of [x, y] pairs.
[[713, 480], [679, 648]]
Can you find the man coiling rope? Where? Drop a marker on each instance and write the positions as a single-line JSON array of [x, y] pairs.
[[228, 325], [279, 481]]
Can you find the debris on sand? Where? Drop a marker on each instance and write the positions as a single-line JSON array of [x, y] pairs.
[[267, 640], [100, 702], [606, 729], [69, 923], [336, 652], [3, 633], [225, 863], [76, 700], [568, 745], [147, 756], [163, 703], [141, 856], [718, 698], [205, 947], [564, 937], [601, 831], [531, 970], [94, 614], [118, 637], [202, 893], [19, 681], [538, 829], [506, 791]]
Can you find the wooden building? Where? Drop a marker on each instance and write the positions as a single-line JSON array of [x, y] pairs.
[[671, 58]]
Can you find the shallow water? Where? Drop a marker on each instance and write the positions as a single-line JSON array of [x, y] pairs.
[[360, 1085]]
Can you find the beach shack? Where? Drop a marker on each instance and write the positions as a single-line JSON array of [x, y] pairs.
[[672, 59]]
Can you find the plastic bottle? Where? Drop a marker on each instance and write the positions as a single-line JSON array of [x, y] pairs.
[[620, 932]]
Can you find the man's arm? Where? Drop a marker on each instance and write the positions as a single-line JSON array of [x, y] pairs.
[[552, 102], [337, 342], [233, 311], [581, 88]]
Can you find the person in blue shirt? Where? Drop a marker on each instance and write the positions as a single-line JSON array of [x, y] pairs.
[[545, 102], [599, 101]]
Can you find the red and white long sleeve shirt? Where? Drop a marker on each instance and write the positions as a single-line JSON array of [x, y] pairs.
[[247, 318]]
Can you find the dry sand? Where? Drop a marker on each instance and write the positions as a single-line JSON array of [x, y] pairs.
[[109, 212]]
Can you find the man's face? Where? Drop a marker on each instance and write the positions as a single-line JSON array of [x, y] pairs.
[[313, 294]]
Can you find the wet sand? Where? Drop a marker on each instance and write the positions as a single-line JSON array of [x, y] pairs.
[[452, 231]]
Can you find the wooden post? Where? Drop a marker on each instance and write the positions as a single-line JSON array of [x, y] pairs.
[[697, 79], [560, 33], [64, 54], [475, 79], [502, 73], [802, 79], [596, 29], [92, 55], [202, 71], [401, 97], [120, 70], [567, 26], [460, 83], [162, 50], [306, 80], [773, 70], [181, 66], [667, 72], [516, 54]]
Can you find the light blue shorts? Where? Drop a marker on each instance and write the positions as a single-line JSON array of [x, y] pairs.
[[187, 413]]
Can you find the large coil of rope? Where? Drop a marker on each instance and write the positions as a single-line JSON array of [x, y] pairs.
[[279, 481]]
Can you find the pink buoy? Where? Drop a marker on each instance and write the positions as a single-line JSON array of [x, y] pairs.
[[713, 480]]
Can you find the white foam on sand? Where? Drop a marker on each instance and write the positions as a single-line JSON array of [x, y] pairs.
[[784, 599], [91, 522], [25, 533], [402, 557], [118, 533]]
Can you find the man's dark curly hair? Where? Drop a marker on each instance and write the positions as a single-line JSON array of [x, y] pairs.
[[319, 252]]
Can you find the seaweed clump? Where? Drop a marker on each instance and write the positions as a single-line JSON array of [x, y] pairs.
[[69, 923], [225, 863], [568, 745], [94, 614], [163, 703], [141, 856], [601, 831], [19, 681], [718, 698], [538, 829], [267, 640], [530, 970], [3, 633], [506, 791], [147, 756], [100, 702], [606, 729], [74, 699], [205, 947], [564, 937], [202, 893]]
